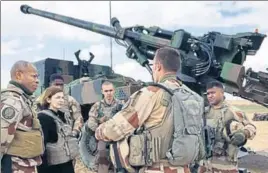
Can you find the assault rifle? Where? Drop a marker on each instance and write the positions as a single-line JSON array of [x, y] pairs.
[[214, 56]]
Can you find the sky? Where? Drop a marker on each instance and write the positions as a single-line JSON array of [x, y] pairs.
[[33, 38]]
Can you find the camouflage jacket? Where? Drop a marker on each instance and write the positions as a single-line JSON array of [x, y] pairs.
[[225, 112], [15, 117], [227, 120], [72, 111], [144, 107], [102, 110]]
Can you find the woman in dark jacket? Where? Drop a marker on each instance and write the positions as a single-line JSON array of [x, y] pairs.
[[51, 119]]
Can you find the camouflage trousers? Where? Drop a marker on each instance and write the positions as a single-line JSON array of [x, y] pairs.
[[218, 165], [20, 169], [21, 166]]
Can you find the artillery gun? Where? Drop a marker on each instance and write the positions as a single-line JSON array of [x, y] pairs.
[[213, 56]]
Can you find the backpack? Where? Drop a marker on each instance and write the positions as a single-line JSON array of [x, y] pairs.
[[187, 108]]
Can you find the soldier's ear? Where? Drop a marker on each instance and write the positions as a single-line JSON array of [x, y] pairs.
[[19, 75]]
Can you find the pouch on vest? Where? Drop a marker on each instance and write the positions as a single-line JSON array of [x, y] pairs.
[[119, 155], [209, 135], [140, 149], [187, 109]]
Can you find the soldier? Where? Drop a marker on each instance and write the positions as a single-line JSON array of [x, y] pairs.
[[18, 118], [99, 113], [71, 107], [146, 108], [231, 127]]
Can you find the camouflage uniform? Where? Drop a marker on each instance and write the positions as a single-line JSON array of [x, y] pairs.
[[18, 118], [99, 110], [145, 107], [227, 120], [102, 110]]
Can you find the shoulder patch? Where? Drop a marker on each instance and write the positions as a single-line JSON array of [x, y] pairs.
[[8, 113]]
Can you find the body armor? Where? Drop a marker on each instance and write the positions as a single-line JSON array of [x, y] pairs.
[[66, 148], [26, 143], [220, 120]]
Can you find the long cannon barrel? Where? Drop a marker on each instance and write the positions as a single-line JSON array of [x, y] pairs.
[[97, 28], [214, 56], [102, 29]]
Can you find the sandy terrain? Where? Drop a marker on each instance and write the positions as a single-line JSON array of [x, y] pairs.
[[260, 141]]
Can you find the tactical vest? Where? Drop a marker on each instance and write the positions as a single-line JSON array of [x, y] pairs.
[[147, 146], [66, 148], [107, 110], [26, 144], [219, 120]]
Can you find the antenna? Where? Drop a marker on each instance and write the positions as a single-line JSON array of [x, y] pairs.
[[111, 43]]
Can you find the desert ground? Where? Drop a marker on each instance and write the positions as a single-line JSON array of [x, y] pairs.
[[258, 144]]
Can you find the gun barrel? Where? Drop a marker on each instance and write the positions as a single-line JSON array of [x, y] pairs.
[[94, 27], [98, 28]]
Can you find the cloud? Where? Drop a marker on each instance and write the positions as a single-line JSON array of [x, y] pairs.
[[176, 14], [13, 47], [26, 33], [9, 47], [134, 70], [5, 77], [42, 28], [259, 62]]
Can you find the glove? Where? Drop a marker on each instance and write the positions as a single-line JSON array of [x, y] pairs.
[[238, 138]]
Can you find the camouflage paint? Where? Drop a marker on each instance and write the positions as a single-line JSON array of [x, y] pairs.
[[89, 92]]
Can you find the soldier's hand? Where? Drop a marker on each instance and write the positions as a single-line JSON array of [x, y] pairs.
[[103, 119]]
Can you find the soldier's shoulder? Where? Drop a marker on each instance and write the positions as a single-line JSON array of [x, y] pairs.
[[11, 98], [96, 104], [146, 92], [69, 97], [235, 110], [10, 107], [153, 89]]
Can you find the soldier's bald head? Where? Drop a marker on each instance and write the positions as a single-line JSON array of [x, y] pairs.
[[20, 66], [25, 73]]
